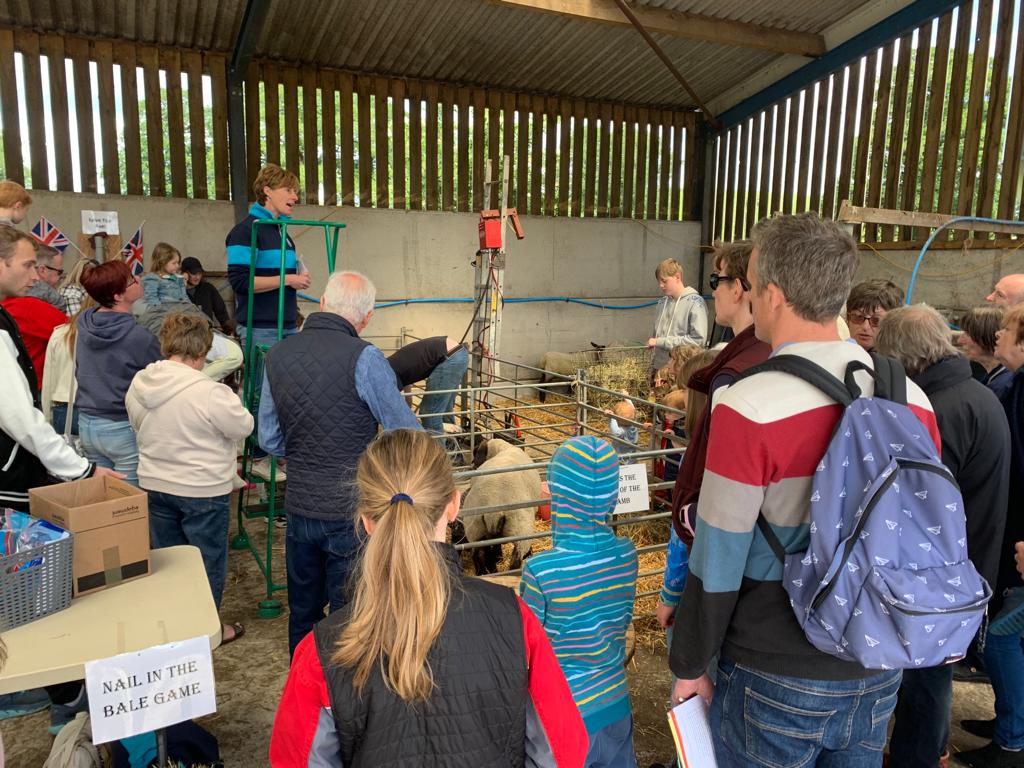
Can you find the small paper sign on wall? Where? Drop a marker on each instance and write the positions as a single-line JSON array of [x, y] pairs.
[[633, 494], [140, 692], [99, 222]]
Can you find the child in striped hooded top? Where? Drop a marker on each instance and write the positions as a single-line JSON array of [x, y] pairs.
[[582, 590]]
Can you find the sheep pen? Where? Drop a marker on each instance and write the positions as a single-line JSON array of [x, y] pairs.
[[509, 407]]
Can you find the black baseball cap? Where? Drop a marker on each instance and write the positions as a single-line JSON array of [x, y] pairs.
[[191, 265]]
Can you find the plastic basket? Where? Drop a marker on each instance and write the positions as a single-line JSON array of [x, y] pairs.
[[30, 592]]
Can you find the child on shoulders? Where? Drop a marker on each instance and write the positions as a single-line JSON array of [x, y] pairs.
[[163, 283]]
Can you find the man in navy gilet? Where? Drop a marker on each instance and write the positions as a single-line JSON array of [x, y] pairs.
[[325, 394]]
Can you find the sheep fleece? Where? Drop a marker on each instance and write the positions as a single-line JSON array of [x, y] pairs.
[[507, 488]]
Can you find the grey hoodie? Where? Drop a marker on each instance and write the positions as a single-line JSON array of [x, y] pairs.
[[111, 348], [186, 426], [679, 321]]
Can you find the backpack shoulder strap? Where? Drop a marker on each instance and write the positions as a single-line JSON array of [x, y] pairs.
[[805, 370], [769, 535], [890, 379]]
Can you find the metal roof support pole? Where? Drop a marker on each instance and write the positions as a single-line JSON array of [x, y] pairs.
[[703, 206], [248, 34], [914, 15], [628, 13]]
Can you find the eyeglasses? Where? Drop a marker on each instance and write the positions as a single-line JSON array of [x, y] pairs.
[[716, 279], [60, 272], [859, 318]]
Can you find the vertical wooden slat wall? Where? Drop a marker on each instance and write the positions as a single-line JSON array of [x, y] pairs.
[[913, 124], [351, 138]]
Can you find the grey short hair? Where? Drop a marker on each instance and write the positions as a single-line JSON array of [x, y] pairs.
[[917, 336], [45, 255], [812, 260], [350, 294]]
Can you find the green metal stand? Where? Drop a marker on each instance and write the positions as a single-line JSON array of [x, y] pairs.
[[273, 506]]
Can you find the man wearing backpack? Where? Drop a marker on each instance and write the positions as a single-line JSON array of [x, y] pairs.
[[779, 699]]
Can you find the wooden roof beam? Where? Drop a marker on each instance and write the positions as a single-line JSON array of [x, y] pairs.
[[686, 25]]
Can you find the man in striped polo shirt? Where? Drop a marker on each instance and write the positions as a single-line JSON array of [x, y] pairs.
[[778, 701], [582, 591]]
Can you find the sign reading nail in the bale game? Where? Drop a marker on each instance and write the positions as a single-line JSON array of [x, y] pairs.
[[633, 495], [139, 692]]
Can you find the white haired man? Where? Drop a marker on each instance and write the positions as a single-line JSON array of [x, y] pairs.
[[976, 449], [325, 393]]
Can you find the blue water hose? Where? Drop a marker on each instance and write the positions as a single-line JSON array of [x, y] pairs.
[[947, 225], [566, 299]]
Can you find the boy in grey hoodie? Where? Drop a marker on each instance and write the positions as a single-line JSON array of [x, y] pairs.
[[682, 316]]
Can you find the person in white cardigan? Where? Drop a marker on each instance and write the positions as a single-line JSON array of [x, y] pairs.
[[186, 426], [59, 374]]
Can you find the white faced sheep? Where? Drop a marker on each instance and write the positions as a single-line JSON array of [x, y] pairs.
[[504, 488]]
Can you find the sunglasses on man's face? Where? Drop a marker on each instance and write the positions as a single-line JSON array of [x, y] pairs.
[[717, 279]]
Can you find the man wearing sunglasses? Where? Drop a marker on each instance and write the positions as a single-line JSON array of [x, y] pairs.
[[867, 305], [49, 273]]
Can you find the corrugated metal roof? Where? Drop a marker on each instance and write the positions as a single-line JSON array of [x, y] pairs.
[[459, 41], [797, 16]]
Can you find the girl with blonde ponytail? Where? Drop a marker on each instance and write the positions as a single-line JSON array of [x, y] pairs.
[[424, 665]]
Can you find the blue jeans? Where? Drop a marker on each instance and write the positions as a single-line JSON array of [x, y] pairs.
[[201, 522], [59, 415], [319, 555], [922, 717], [612, 746], [261, 337], [110, 444], [770, 721], [447, 375], [1004, 660]]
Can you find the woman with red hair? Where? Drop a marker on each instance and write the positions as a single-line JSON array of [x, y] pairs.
[[111, 348]]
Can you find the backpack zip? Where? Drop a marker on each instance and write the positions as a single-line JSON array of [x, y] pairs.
[[826, 589]]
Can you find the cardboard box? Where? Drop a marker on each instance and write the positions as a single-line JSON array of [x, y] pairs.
[[110, 522]]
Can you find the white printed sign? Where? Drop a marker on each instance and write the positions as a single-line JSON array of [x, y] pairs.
[[99, 222], [633, 494], [140, 692]]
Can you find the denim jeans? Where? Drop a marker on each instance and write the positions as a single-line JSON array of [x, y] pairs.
[[201, 522], [612, 746], [261, 337], [922, 717], [1004, 660], [110, 444], [771, 721], [447, 375], [319, 555], [59, 415]]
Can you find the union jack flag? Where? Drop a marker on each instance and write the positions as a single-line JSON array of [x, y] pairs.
[[132, 253], [47, 234]]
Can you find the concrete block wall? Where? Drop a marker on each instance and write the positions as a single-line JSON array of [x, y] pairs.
[[427, 255], [949, 279]]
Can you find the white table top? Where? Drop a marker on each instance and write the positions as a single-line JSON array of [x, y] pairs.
[[172, 603]]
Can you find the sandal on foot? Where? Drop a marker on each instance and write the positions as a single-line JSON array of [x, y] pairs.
[[238, 630]]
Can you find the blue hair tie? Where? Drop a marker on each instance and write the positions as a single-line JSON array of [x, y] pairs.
[[401, 497]]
